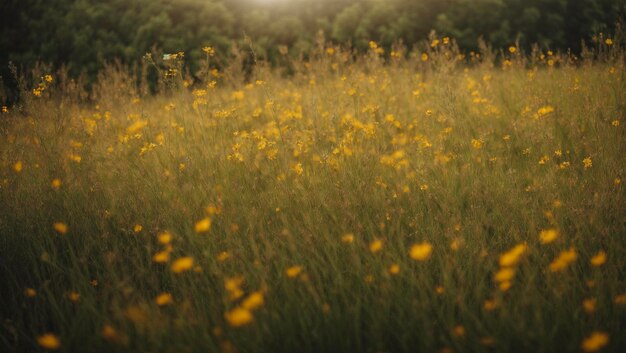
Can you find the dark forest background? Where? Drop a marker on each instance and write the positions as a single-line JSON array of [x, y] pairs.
[[83, 34]]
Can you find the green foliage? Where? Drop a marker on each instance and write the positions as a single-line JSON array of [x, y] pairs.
[[84, 34]]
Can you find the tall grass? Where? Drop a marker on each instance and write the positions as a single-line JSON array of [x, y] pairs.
[[300, 199]]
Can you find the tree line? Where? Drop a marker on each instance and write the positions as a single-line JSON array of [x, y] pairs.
[[83, 34]]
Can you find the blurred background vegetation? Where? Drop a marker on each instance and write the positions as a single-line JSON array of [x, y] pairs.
[[84, 34]]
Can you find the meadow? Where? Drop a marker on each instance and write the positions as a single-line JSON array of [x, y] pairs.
[[383, 202]]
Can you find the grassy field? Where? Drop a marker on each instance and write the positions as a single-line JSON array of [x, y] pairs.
[[435, 203]]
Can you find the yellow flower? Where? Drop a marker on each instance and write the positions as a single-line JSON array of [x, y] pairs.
[[165, 237], [253, 301], [424, 57], [347, 238], [223, 256], [589, 305], [60, 227], [459, 331], [161, 257], [421, 252], [587, 163], [504, 275], [297, 168], [548, 235], [512, 49], [182, 264], [543, 111], [293, 271], [136, 127], [376, 245], [598, 259], [56, 183], [203, 225], [75, 157], [564, 259], [18, 166], [238, 317], [109, 333], [477, 144], [238, 95], [394, 269], [49, 341], [163, 299], [233, 286], [210, 51], [489, 305], [512, 257], [73, 296], [595, 342], [608, 41]]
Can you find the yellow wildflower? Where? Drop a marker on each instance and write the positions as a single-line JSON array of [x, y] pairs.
[[163, 299], [182, 264], [60, 227], [18, 166], [253, 301], [595, 341], [297, 168], [73, 296], [489, 305], [512, 257], [394, 269], [421, 252], [477, 144], [238, 95], [136, 126], [459, 331], [238, 317], [547, 236], [504, 275], [161, 257], [165, 237], [376, 245], [109, 333], [589, 305], [598, 259], [223, 256], [347, 238], [564, 259], [203, 225], [56, 183], [49, 341], [293, 271]]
